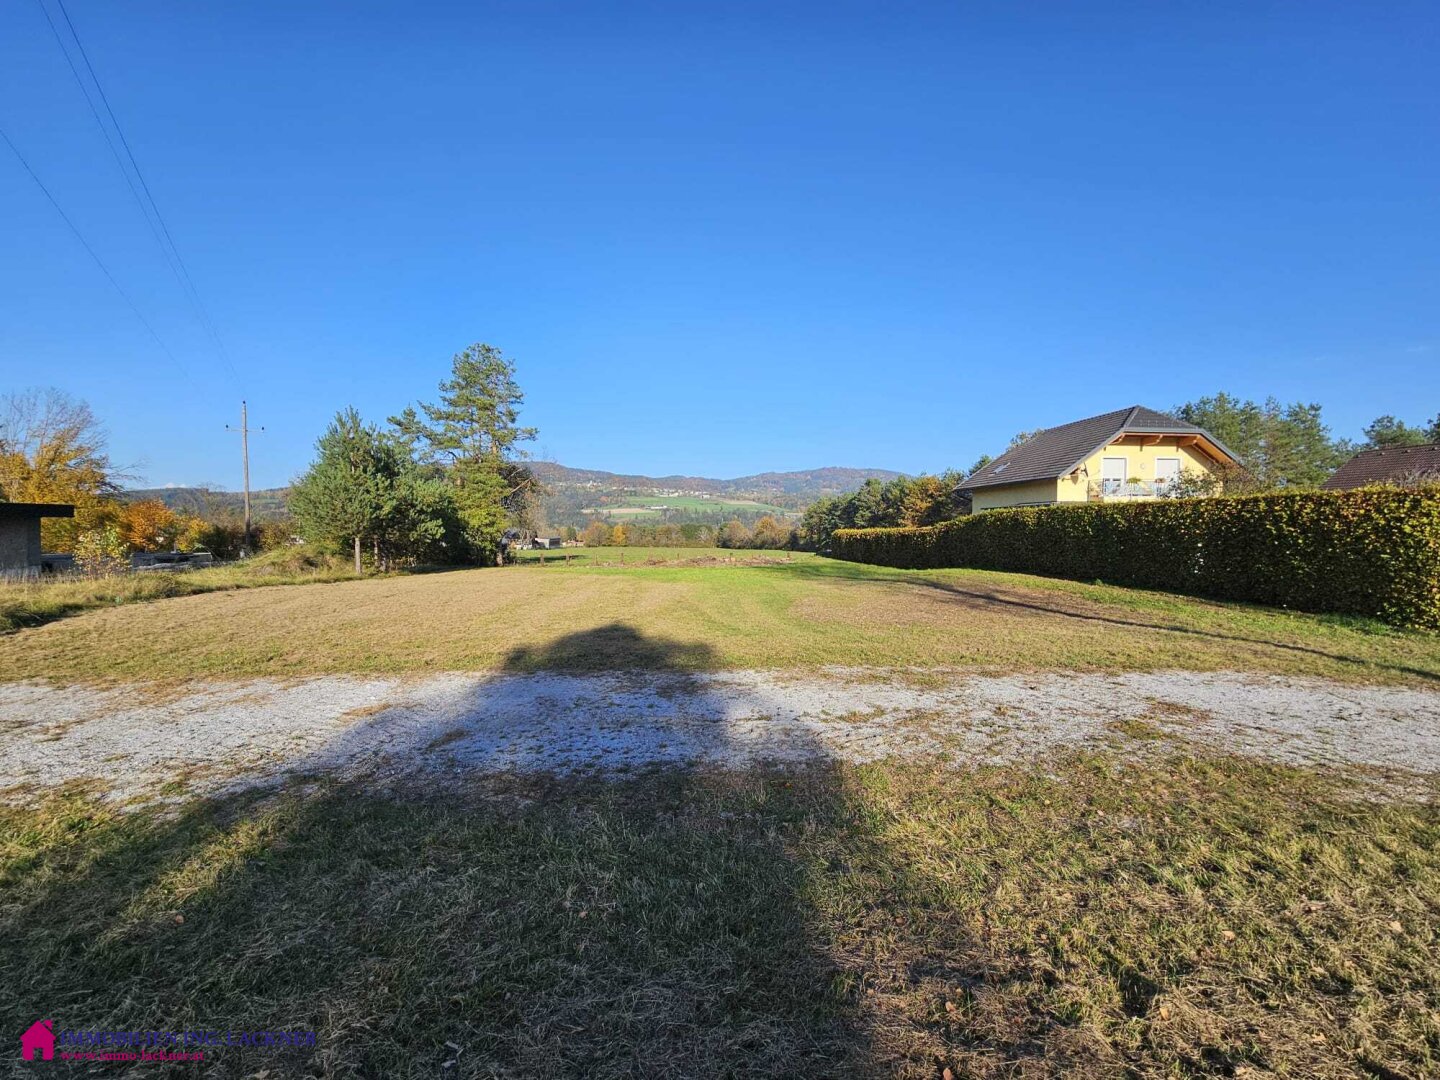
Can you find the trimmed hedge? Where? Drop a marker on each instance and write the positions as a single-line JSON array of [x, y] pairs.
[[1370, 551]]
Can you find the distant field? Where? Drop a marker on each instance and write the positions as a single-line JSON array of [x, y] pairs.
[[702, 609], [655, 556], [641, 506]]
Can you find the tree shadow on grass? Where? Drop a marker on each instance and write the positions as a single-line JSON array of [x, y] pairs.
[[499, 923], [1029, 602]]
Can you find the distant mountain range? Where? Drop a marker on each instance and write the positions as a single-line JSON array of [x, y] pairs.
[[806, 483], [572, 487]]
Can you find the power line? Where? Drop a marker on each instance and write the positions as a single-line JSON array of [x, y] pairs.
[[110, 143], [86, 245], [188, 285]]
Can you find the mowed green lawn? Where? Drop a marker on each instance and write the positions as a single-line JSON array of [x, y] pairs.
[[702, 610]]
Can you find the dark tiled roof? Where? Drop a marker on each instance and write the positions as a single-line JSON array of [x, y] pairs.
[[1055, 451], [1388, 464], [23, 509]]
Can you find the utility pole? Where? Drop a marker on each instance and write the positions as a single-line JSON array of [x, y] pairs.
[[244, 430]]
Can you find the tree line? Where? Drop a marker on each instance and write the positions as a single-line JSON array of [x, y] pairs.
[[768, 532], [443, 482]]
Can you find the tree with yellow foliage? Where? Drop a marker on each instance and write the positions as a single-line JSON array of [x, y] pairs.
[[150, 525], [52, 449]]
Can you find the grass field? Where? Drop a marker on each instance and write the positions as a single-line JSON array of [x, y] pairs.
[[1151, 908], [1179, 917], [702, 612], [28, 604]]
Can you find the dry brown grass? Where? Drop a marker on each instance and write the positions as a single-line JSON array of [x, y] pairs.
[[1179, 916], [804, 613]]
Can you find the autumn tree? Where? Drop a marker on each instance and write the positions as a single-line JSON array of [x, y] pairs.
[[52, 449], [596, 534], [471, 438], [769, 533], [150, 525], [733, 534]]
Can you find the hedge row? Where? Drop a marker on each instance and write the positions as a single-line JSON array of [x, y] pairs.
[[1371, 551]]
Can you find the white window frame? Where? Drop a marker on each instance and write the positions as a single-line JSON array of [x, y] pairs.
[[1164, 483], [1106, 478]]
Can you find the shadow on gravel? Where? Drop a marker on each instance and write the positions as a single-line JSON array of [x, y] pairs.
[[1095, 918], [522, 925]]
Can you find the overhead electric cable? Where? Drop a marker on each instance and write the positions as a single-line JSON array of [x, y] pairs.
[[168, 246], [86, 245]]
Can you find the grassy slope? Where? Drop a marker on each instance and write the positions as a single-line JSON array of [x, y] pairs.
[[1181, 917], [804, 612]]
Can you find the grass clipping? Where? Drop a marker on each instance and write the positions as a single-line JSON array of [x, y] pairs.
[[1179, 917]]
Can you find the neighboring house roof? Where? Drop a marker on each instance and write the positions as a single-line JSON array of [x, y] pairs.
[[1390, 463], [1058, 451]]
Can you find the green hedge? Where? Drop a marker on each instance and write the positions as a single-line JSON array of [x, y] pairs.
[[1371, 551]]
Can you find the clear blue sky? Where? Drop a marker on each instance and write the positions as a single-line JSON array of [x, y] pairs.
[[723, 238]]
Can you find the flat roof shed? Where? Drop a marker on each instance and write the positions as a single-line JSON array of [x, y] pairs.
[[20, 532]]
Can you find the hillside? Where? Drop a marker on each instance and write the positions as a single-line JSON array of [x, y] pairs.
[[207, 502], [575, 495], [807, 484]]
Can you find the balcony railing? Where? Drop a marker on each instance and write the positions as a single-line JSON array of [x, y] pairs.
[[1137, 489]]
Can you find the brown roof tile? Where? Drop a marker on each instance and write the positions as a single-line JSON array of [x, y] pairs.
[[1055, 451], [1388, 464]]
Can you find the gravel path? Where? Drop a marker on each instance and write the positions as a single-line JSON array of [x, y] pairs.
[[224, 736]]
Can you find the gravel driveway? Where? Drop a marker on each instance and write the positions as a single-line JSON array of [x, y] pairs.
[[442, 728]]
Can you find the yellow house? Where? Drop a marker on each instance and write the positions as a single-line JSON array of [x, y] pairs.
[[1134, 453]]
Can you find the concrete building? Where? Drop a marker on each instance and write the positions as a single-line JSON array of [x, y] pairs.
[[20, 535]]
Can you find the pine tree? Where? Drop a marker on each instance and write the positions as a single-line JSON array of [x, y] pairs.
[[345, 496], [470, 438]]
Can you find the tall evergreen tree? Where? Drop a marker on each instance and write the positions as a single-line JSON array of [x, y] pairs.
[[342, 499], [1278, 445], [471, 437], [365, 489], [1386, 431]]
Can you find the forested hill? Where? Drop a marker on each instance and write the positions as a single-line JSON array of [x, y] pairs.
[[208, 503], [806, 484], [570, 492]]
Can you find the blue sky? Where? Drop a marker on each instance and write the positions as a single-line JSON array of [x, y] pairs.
[[724, 238]]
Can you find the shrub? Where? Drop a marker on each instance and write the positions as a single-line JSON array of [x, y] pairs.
[[1371, 551]]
